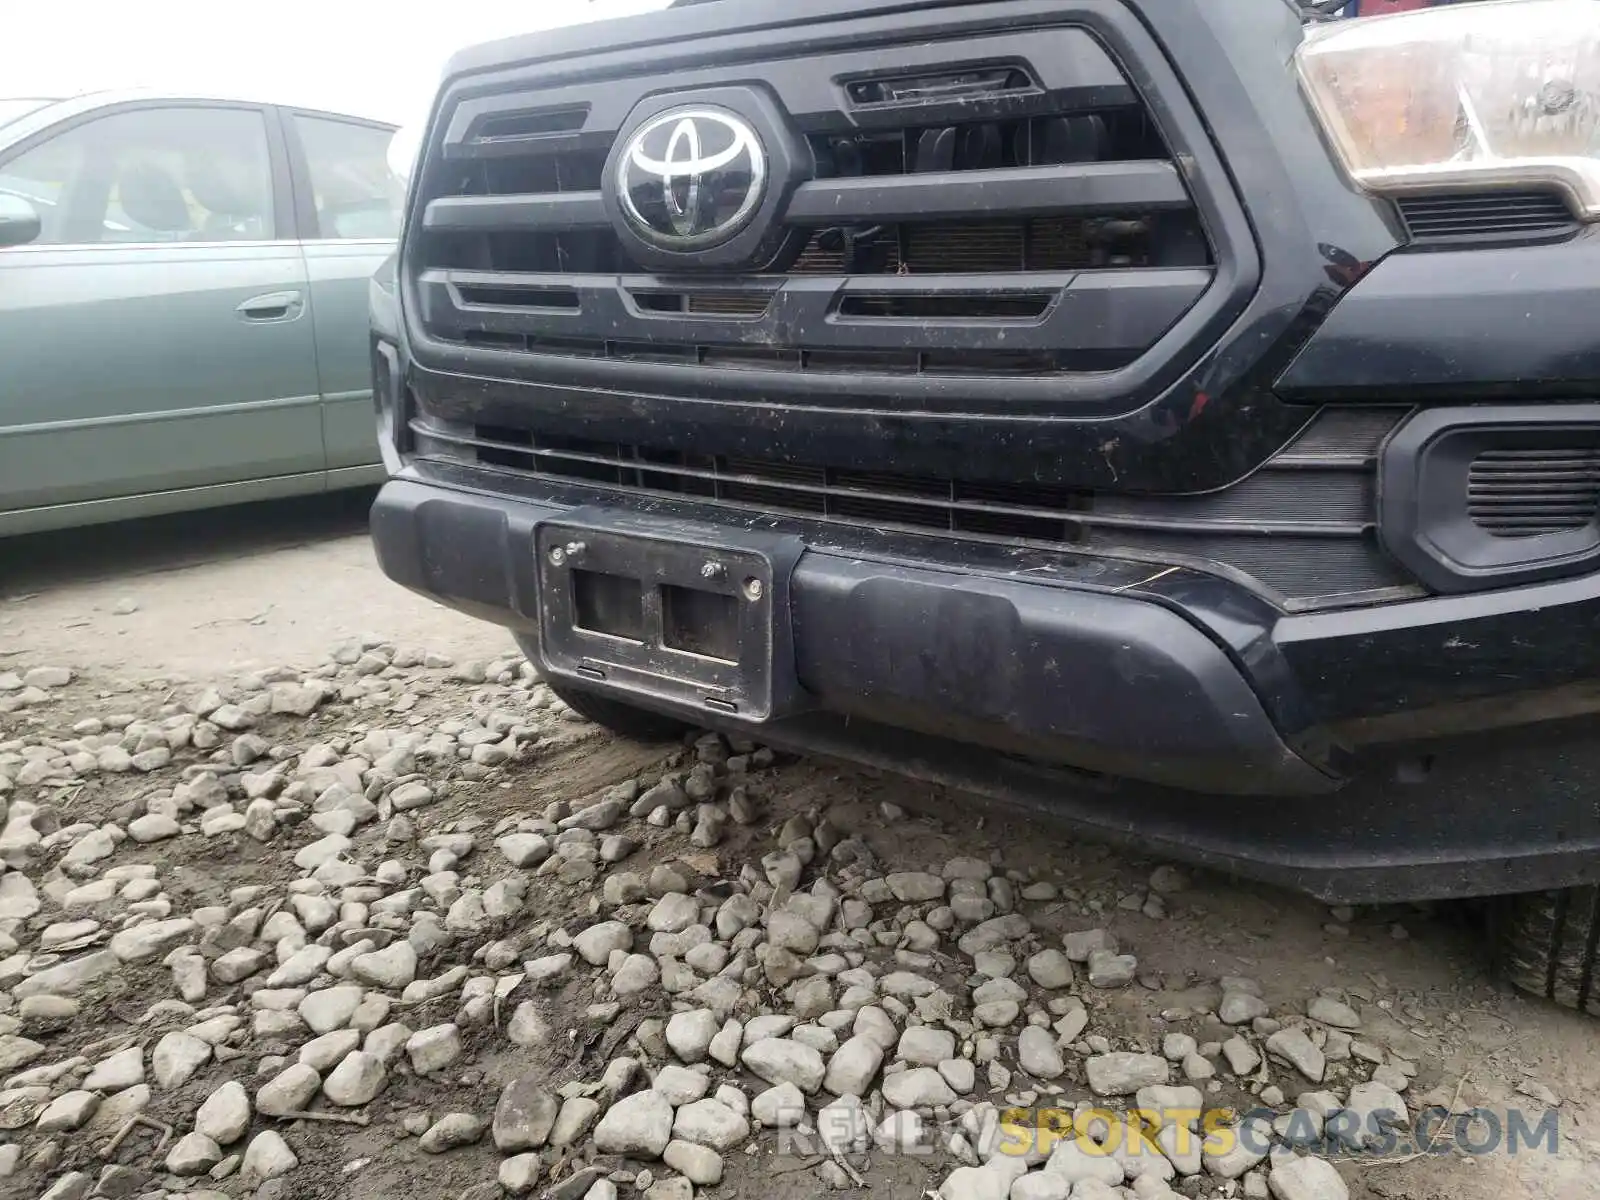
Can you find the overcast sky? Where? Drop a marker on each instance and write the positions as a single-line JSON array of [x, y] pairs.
[[357, 56]]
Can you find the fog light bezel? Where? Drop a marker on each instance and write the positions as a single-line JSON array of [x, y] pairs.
[[1423, 515]]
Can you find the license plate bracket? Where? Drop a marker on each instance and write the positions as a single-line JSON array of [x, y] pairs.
[[676, 613]]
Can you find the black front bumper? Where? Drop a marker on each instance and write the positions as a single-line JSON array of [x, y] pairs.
[[1105, 699]]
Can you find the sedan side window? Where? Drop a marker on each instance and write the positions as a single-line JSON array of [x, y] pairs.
[[151, 175], [356, 194]]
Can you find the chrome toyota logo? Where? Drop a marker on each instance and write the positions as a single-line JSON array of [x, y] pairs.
[[691, 178]]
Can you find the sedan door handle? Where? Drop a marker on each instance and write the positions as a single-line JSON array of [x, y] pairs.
[[274, 306]]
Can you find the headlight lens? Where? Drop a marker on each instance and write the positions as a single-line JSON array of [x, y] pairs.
[[1501, 92]]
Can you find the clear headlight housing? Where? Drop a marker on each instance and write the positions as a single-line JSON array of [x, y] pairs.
[[1473, 95]]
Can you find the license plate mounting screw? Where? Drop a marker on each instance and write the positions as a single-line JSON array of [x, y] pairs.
[[753, 589]]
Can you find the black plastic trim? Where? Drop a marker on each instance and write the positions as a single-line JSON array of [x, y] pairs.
[[1122, 311], [1423, 516], [1074, 73], [1515, 323], [554, 212], [1024, 192]]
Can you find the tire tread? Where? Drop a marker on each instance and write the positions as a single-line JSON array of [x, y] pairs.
[[1548, 943]]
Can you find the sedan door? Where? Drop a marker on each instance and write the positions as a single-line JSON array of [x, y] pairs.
[[155, 337], [347, 207]]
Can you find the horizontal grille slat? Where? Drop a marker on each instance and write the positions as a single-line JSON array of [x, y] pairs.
[[1534, 491], [1090, 314]]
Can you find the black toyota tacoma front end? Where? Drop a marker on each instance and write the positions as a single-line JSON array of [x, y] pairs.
[[1018, 394]]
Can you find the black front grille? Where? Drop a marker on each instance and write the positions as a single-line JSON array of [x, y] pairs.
[[1302, 526], [1528, 493], [1500, 216], [995, 203]]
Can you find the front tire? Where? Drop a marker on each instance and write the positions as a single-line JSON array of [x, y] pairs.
[[1548, 944], [626, 720]]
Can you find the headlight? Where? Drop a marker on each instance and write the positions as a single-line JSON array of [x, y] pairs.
[[1506, 92]]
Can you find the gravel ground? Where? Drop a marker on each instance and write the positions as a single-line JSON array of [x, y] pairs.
[[309, 889]]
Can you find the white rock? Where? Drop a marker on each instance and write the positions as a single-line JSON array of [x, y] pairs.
[[780, 1107], [900, 1132], [153, 827], [976, 1183], [638, 1126], [920, 1087], [1037, 1054], [960, 1074], [121, 1070], [392, 967], [1240, 1008], [1079, 946], [844, 1126], [1370, 1108], [19, 900], [853, 1067], [679, 1085], [330, 1008], [596, 943], [1306, 1179], [1183, 1147], [1229, 1157], [710, 1123], [521, 849], [357, 1080], [432, 1050], [673, 913], [1243, 1058], [193, 1154], [1122, 1073], [141, 943], [321, 851], [519, 1173], [780, 1060], [1334, 1012], [1294, 1047], [915, 887], [176, 1058], [1050, 969], [291, 1090], [1040, 1185], [724, 1048], [47, 677], [1070, 1161], [690, 1033], [225, 1115], [267, 1157], [68, 1112], [700, 1165], [924, 1046]]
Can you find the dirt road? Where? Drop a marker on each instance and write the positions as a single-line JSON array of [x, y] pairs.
[[309, 888]]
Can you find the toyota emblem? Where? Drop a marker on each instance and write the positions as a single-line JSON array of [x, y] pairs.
[[691, 178]]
